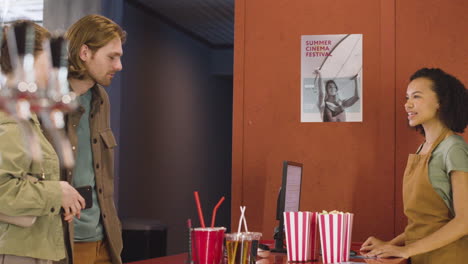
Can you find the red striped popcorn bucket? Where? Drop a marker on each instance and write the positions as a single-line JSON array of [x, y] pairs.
[[301, 235], [335, 236]]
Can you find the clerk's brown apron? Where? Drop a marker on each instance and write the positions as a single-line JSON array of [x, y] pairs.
[[427, 212]]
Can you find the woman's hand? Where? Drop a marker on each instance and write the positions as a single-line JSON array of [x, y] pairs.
[[371, 243], [72, 202], [69, 217], [387, 251]]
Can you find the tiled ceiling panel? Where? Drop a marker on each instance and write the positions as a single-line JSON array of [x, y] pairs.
[[211, 21]]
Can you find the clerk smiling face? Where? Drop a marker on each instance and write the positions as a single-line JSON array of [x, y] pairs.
[[422, 104]]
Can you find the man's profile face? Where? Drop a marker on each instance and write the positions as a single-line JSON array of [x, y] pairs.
[[105, 62]]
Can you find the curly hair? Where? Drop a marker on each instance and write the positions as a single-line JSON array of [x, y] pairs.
[[452, 96], [94, 31], [40, 34]]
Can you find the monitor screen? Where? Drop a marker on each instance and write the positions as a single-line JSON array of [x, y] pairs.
[[288, 199], [292, 194]]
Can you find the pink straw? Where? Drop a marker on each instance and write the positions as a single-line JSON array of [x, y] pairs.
[[200, 214], [214, 211]]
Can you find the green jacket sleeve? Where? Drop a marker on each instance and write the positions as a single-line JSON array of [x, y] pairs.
[[18, 195]]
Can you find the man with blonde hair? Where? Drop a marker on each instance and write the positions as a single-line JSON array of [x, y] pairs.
[[95, 49]]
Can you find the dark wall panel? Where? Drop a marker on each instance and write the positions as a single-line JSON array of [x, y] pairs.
[[175, 128]]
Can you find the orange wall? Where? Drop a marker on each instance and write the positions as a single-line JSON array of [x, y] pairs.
[[353, 167]]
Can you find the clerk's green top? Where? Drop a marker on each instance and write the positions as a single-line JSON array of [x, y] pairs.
[[21, 196], [450, 155]]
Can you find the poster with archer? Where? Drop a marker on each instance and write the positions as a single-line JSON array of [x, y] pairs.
[[331, 78]]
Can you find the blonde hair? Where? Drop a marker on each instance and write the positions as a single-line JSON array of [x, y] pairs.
[[40, 34], [94, 31]]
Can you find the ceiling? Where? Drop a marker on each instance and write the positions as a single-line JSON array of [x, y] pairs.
[[21, 9], [209, 21]]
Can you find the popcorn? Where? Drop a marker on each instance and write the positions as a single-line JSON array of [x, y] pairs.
[[332, 212]]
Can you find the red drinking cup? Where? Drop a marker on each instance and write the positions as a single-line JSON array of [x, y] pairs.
[[207, 245]]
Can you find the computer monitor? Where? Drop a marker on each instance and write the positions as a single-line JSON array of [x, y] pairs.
[[289, 198]]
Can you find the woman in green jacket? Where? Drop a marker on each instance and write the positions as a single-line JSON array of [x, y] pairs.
[[30, 188]]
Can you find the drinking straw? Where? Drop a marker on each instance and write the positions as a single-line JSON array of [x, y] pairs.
[[242, 208], [236, 243], [200, 214], [245, 222], [213, 216], [189, 225]]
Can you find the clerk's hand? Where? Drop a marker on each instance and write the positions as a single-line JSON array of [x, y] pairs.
[[371, 243], [383, 261], [387, 251], [72, 201]]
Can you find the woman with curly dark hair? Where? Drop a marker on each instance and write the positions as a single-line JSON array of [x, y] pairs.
[[435, 183]]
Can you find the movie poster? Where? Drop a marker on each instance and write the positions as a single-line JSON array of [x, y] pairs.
[[331, 78]]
